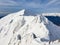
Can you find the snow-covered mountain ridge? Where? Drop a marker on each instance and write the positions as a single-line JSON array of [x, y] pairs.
[[18, 29]]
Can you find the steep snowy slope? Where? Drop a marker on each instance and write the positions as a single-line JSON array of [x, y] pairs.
[[18, 29]]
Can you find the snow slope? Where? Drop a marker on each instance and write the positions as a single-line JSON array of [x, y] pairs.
[[18, 29]]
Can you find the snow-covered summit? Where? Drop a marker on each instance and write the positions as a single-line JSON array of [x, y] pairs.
[[17, 29], [21, 12]]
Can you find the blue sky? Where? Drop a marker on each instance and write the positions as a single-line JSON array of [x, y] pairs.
[[37, 6]]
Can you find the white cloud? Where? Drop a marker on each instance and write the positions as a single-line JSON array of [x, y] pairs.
[[33, 5], [4, 12], [51, 2], [58, 3], [7, 2], [23, 4]]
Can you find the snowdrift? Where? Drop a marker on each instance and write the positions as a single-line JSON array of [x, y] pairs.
[[19, 29]]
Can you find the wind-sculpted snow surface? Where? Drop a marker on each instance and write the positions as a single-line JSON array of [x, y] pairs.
[[18, 29]]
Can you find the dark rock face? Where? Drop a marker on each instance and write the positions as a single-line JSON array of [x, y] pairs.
[[43, 39], [34, 36], [54, 19], [11, 21], [19, 37]]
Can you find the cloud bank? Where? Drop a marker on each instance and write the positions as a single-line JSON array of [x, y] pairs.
[[34, 5]]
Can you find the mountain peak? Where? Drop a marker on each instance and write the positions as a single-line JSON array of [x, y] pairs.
[[21, 12], [17, 29]]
